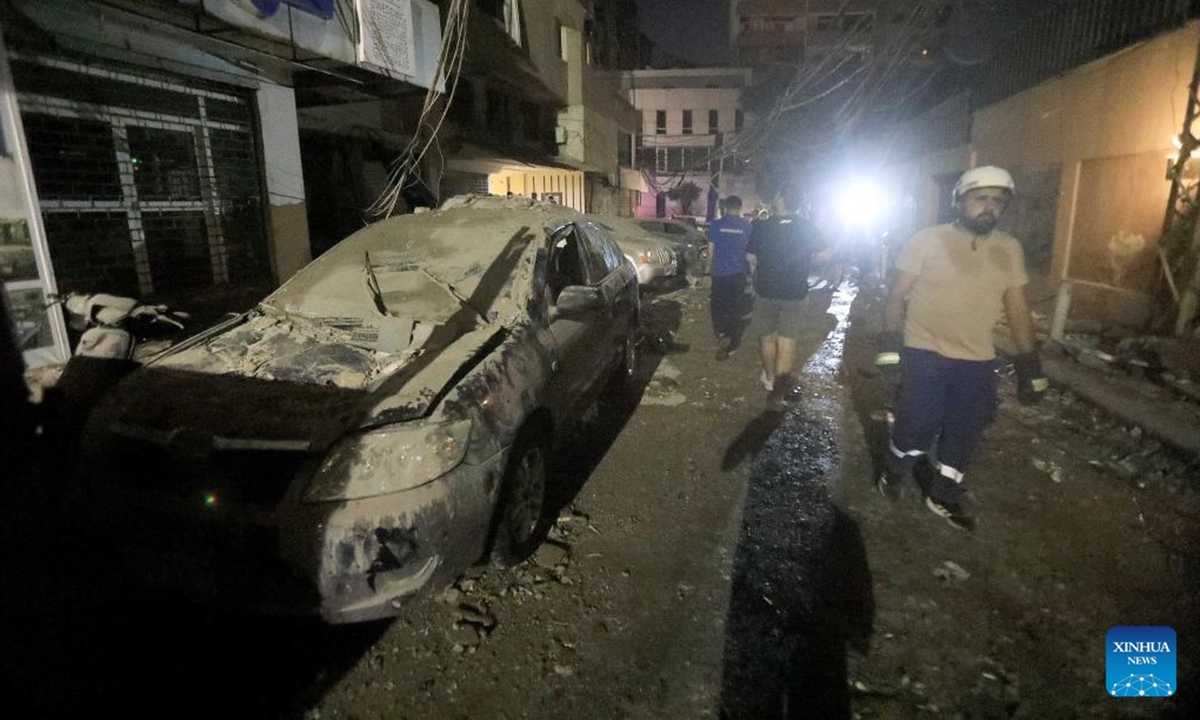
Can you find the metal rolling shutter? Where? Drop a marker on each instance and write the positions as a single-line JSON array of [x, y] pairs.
[[149, 183]]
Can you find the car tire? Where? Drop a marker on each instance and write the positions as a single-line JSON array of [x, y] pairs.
[[622, 377], [521, 521]]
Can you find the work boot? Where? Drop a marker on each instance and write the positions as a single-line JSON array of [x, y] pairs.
[[890, 485], [724, 345]]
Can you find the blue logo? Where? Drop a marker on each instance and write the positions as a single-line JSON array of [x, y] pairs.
[[1141, 661]]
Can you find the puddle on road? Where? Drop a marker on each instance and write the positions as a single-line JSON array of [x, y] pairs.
[[801, 590]]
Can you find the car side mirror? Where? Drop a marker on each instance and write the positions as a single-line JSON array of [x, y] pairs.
[[577, 300]]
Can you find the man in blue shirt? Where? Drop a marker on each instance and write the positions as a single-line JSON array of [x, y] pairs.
[[727, 240]]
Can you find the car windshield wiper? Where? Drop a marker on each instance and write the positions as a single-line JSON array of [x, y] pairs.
[[373, 284]]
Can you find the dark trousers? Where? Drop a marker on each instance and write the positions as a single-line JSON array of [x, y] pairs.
[[943, 402], [726, 303]]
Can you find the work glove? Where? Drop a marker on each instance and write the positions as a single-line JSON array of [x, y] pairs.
[[1031, 383], [887, 357]]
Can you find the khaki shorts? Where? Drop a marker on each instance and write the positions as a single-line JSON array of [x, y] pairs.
[[782, 317]]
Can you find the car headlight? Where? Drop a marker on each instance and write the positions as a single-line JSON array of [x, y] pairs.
[[388, 460]]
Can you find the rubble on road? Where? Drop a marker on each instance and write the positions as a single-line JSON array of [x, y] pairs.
[[663, 388], [950, 570]]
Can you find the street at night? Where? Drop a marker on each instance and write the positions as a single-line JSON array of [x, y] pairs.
[[736, 359]]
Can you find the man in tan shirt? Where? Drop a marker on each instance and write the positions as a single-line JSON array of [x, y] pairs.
[[953, 282]]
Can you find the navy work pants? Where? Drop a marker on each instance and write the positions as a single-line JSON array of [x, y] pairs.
[[727, 303], [943, 402]]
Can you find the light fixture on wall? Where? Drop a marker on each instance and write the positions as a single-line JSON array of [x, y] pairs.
[[1189, 168]]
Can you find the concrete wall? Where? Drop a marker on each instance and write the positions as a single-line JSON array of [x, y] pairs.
[[288, 220], [597, 112], [1089, 152], [1109, 126]]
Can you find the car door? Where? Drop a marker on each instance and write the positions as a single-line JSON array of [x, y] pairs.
[[618, 286], [579, 335]]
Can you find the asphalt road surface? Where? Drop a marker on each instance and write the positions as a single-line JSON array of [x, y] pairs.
[[710, 559]]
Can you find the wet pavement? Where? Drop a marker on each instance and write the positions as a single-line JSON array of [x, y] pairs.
[[801, 593]]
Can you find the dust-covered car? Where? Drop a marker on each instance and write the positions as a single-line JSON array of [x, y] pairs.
[[691, 237], [375, 426], [654, 257]]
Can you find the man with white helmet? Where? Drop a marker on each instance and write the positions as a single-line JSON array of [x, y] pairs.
[[953, 282]]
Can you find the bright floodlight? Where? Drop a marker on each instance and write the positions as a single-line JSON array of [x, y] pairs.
[[858, 204]]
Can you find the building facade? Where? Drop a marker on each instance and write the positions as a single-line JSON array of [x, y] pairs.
[[539, 114], [152, 148], [1089, 149], [781, 35], [687, 117]]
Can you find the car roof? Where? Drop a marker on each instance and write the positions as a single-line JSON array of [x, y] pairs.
[[627, 229], [469, 241]]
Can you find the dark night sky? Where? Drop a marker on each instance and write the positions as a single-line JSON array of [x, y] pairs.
[[697, 31], [693, 30]]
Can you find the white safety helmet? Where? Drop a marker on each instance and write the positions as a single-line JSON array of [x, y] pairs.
[[988, 176]]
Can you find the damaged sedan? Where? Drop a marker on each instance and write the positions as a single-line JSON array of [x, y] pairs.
[[377, 425]]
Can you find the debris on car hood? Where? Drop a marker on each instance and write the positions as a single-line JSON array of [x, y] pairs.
[[377, 330], [276, 347]]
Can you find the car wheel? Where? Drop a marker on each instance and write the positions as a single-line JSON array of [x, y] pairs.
[[623, 376], [521, 525]]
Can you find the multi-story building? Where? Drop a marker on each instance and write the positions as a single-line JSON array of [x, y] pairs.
[[687, 117], [775, 35], [152, 148], [537, 113], [766, 33], [179, 151]]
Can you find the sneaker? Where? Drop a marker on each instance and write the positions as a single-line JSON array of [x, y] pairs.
[[953, 513], [889, 487], [787, 386], [724, 345], [767, 381]]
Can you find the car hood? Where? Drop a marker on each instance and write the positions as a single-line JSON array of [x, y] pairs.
[[276, 382]]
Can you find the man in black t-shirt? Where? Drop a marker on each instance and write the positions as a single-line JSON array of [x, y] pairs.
[[785, 245]]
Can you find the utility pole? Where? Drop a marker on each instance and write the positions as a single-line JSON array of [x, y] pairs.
[[1179, 243]]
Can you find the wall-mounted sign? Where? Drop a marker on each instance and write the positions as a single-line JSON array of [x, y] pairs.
[[386, 35], [321, 8]]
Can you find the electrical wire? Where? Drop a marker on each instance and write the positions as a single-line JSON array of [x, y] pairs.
[[407, 166]]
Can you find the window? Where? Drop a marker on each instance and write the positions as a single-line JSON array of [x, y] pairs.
[[738, 120], [497, 111], [531, 121], [624, 149], [462, 108], [714, 117], [687, 122], [566, 263], [508, 14], [863, 21], [605, 248], [660, 160], [660, 122]]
